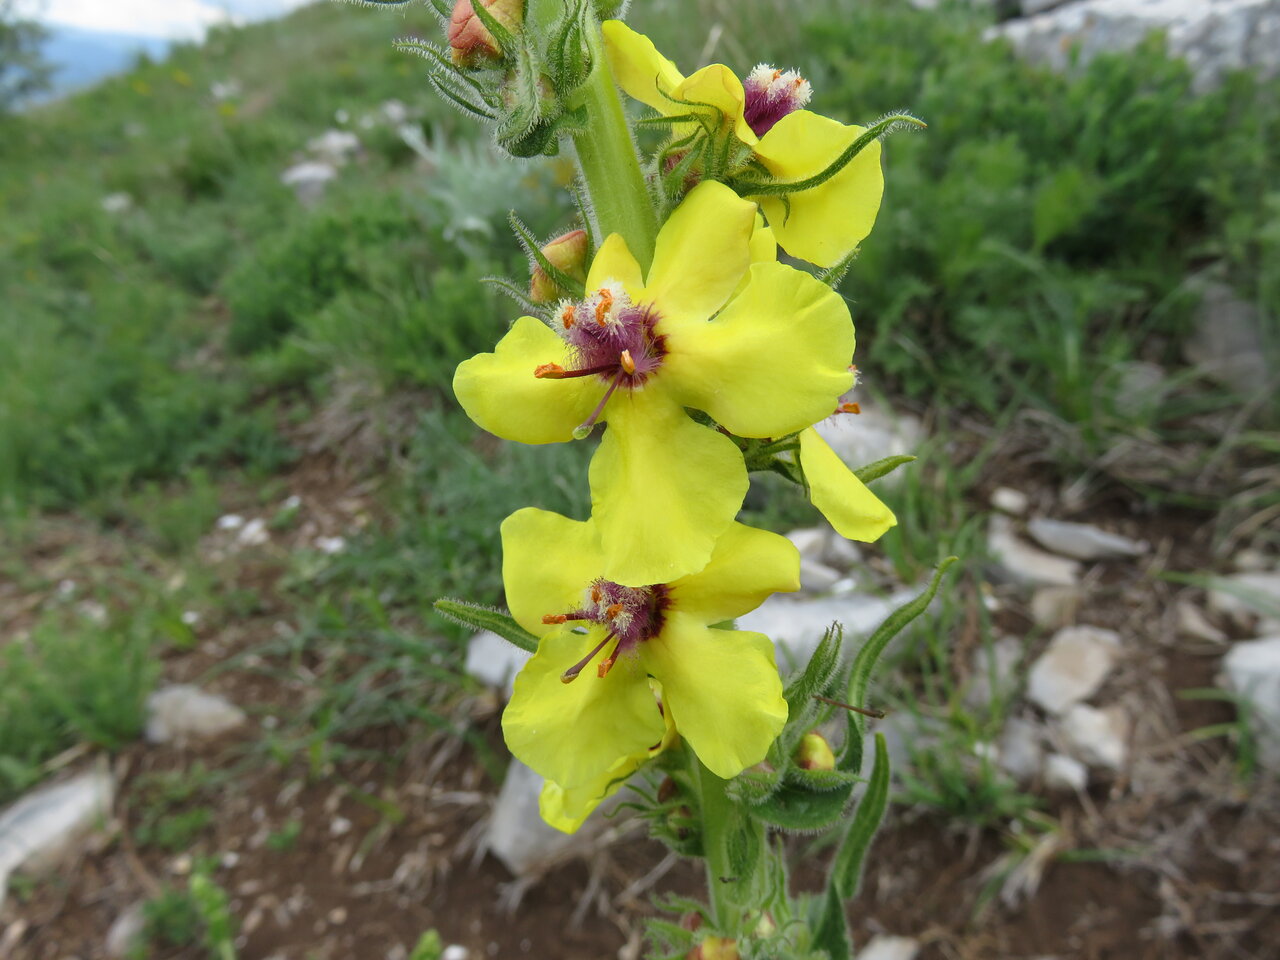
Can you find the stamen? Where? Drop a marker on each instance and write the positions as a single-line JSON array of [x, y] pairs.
[[554, 618], [628, 364], [607, 664], [848, 408], [582, 430], [613, 610], [568, 315], [603, 305], [553, 371], [572, 673]]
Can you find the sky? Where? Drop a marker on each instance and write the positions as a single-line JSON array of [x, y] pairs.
[[160, 19]]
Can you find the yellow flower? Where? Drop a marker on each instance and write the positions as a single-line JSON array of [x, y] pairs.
[[762, 348], [567, 808], [823, 224], [583, 709]]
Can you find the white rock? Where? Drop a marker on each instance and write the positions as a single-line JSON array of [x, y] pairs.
[[1020, 562], [455, 952], [811, 542], [1098, 737], [184, 712], [518, 836], [331, 545], [1073, 667], [1008, 500], [1021, 749], [1082, 541], [494, 661], [884, 947], [860, 439], [230, 521], [309, 179], [817, 577], [841, 553], [797, 624], [1252, 670], [1250, 559], [254, 533], [334, 147], [996, 663], [1054, 607], [117, 202], [42, 828], [1244, 595], [1194, 624], [124, 932], [1065, 774], [1215, 36]]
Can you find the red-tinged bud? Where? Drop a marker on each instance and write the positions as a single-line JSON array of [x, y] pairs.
[[470, 42], [667, 790], [691, 921], [568, 254], [815, 753], [715, 948]]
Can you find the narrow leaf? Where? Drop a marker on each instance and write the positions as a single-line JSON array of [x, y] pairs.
[[880, 468], [846, 869], [487, 618]]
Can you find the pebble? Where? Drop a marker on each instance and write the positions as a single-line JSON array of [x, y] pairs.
[[811, 542], [184, 712], [1098, 737], [254, 533], [817, 577], [1008, 500], [1073, 667], [1065, 774], [997, 662], [1021, 750], [1243, 596], [1055, 607], [1194, 624], [1252, 670], [1019, 562], [124, 932], [1082, 541], [494, 661], [883, 947], [455, 952]]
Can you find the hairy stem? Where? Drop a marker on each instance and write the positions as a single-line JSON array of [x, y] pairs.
[[717, 816]]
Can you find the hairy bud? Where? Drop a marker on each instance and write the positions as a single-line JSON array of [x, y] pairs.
[[715, 948], [568, 254], [470, 42], [814, 753]]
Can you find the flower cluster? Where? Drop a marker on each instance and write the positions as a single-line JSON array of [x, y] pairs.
[[694, 359]]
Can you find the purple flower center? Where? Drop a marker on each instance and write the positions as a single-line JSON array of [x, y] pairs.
[[771, 95], [609, 337], [629, 615]]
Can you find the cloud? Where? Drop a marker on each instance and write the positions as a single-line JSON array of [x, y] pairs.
[[170, 19]]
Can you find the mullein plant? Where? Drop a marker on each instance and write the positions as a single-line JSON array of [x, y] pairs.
[[665, 323]]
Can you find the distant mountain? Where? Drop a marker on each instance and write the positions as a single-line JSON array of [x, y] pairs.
[[82, 57]]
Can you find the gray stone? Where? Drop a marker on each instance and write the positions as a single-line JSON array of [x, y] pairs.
[[1082, 541], [309, 179], [1227, 343], [1243, 596], [1194, 624], [884, 947], [999, 663], [183, 712], [44, 827], [1215, 36], [817, 577], [811, 542], [1008, 500], [797, 624], [1063, 774], [841, 553], [1054, 607], [1252, 670], [1073, 667], [1019, 562], [495, 661], [1021, 749], [1098, 737], [124, 932]]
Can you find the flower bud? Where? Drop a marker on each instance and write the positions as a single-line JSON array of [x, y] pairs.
[[567, 253], [765, 926], [715, 948], [814, 753], [470, 42]]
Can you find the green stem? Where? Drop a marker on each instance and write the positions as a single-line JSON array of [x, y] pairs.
[[608, 159], [717, 818]]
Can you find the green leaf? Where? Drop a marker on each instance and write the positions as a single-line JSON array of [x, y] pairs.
[[880, 468], [818, 673], [793, 807], [487, 618], [846, 869], [831, 931]]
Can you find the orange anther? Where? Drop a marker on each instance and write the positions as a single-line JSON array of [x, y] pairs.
[[777, 74], [604, 305], [595, 594], [548, 371], [554, 618], [628, 364], [848, 408], [568, 315], [613, 610], [606, 666]]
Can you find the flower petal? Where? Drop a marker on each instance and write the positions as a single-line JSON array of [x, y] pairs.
[[854, 511], [774, 361], [716, 86], [701, 254], [573, 732], [826, 223], [639, 69], [613, 261], [746, 566], [721, 688], [548, 561], [500, 393], [663, 489]]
